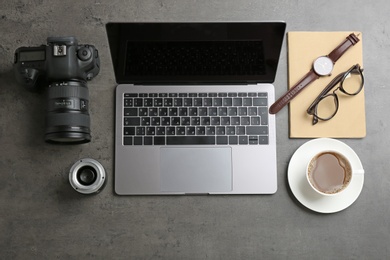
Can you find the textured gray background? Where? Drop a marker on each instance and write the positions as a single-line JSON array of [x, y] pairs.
[[41, 217]]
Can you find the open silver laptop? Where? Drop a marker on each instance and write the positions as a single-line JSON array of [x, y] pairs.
[[192, 107]]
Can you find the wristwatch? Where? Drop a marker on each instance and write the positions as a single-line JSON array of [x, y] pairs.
[[322, 66]]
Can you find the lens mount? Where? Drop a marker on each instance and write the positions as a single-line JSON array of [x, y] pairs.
[[87, 176]]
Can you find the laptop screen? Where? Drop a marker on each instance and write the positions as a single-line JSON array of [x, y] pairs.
[[208, 53]]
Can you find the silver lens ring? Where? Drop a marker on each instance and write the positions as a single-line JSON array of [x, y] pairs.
[[87, 176]]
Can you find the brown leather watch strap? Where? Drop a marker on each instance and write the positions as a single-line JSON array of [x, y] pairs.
[[351, 40], [289, 95]]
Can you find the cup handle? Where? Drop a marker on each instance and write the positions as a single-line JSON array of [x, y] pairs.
[[358, 172]]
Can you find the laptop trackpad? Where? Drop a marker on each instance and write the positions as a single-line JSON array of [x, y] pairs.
[[196, 170]]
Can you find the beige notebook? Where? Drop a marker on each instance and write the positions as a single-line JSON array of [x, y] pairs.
[[303, 49]]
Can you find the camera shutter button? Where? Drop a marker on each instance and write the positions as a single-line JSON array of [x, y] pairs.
[[84, 53]]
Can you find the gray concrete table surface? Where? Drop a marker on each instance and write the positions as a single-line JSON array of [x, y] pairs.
[[41, 217]]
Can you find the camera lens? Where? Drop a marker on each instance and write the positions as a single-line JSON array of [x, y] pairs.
[[87, 176], [67, 118]]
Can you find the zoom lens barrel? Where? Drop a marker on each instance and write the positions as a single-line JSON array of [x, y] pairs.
[[67, 117]]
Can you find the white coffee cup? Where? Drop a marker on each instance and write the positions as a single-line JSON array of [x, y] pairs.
[[329, 173]]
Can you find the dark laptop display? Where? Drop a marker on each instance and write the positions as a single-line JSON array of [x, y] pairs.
[[176, 52]]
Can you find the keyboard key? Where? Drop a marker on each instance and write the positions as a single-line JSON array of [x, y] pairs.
[[153, 111], [180, 130], [188, 102], [208, 102], [253, 140], [163, 111], [263, 139], [172, 111], [145, 121], [170, 130], [183, 111], [256, 130], [165, 121], [203, 111], [178, 102], [188, 140], [230, 130], [225, 120], [132, 121], [140, 130], [215, 120], [217, 102], [148, 140], [227, 102], [190, 130], [150, 130], [242, 111], [185, 120], [263, 113], [138, 102], [128, 141], [193, 111], [130, 112], [245, 120], [158, 102], [155, 121], [232, 111], [143, 111], [200, 130], [260, 102], [148, 102], [195, 120], [205, 120], [198, 102], [175, 121], [128, 102], [243, 139], [168, 102], [246, 102], [129, 131], [213, 111], [221, 130], [233, 139], [138, 140], [237, 102], [255, 120], [222, 140], [210, 130], [159, 140], [160, 130]]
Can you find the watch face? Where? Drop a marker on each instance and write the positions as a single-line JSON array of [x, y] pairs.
[[323, 66]]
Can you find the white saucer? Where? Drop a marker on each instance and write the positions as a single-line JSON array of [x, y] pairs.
[[301, 188]]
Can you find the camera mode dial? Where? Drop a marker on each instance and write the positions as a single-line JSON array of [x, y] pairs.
[[84, 53]]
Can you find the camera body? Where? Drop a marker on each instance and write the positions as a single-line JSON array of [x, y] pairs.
[[63, 67]]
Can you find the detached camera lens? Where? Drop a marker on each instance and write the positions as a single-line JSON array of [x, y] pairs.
[[87, 176]]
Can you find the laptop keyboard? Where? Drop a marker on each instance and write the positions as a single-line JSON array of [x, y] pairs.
[[195, 118]]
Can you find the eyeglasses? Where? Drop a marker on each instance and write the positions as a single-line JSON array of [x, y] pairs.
[[326, 105]]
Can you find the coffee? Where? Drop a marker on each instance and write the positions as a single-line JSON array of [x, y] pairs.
[[329, 172]]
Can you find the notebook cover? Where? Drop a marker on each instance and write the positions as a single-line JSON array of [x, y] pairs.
[[303, 49]]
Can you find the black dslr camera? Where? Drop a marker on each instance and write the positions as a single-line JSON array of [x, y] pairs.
[[63, 66]]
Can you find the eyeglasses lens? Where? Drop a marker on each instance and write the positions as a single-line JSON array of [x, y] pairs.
[[352, 83], [327, 107]]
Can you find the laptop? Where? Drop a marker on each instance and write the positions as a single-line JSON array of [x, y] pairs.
[[192, 107]]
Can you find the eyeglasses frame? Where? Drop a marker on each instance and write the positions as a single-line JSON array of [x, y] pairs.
[[312, 110]]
